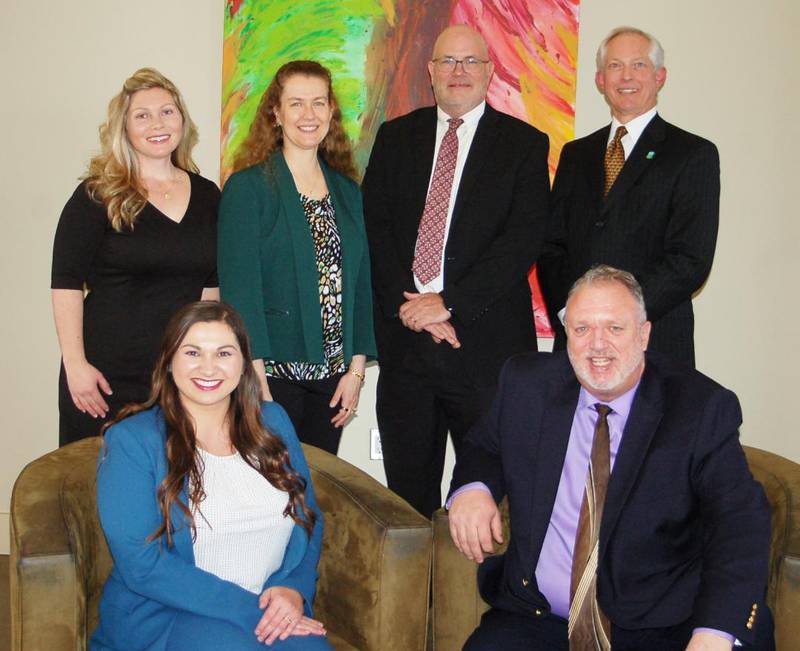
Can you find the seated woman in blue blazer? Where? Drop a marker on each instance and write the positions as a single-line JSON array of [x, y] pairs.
[[207, 506], [293, 256]]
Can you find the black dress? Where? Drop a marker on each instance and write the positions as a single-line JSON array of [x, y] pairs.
[[136, 281]]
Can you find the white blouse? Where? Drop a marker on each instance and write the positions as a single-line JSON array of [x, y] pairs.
[[242, 533]]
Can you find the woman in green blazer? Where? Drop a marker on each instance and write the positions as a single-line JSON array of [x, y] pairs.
[[293, 255]]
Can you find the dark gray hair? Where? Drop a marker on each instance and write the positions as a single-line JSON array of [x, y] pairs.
[[603, 273], [656, 53]]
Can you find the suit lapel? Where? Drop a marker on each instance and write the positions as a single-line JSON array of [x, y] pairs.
[[642, 156], [483, 141], [643, 421], [596, 163], [551, 452], [424, 146]]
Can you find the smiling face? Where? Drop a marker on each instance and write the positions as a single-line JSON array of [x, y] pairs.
[[628, 78], [304, 113], [154, 124], [207, 366], [606, 339], [457, 92]]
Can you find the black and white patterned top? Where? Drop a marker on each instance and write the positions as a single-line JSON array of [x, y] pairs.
[[328, 248]]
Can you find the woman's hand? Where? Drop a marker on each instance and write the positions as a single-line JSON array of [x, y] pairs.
[[282, 615], [348, 391], [83, 381], [308, 626], [261, 372]]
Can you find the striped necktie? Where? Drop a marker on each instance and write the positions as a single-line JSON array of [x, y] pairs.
[[589, 629]]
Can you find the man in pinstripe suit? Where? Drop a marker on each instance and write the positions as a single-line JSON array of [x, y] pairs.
[[655, 212]]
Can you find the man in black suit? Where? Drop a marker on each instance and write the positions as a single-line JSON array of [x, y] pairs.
[[455, 202], [657, 219], [681, 541]]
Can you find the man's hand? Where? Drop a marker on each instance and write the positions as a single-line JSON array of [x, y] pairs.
[[443, 332], [474, 523], [705, 641], [421, 310]]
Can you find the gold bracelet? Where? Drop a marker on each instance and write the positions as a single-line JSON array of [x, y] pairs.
[[359, 375]]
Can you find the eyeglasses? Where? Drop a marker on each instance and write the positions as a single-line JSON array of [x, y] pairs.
[[469, 65]]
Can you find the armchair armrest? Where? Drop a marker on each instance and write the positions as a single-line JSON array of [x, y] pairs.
[[375, 565], [47, 595]]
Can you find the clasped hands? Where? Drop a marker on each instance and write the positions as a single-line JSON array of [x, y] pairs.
[[283, 616], [427, 312]]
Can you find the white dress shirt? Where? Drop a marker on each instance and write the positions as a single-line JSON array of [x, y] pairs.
[[635, 128], [465, 133]]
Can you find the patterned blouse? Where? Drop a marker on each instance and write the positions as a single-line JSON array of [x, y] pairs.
[[328, 248]]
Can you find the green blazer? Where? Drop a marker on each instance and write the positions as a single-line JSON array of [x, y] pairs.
[[268, 268]]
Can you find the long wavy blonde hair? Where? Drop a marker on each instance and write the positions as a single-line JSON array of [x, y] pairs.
[[266, 136], [113, 175]]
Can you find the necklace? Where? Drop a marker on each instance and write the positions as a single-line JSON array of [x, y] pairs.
[[167, 188]]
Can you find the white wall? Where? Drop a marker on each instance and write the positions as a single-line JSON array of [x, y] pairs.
[[732, 78]]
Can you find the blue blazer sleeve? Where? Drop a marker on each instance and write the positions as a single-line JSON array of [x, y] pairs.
[[299, 568], [130, 469]]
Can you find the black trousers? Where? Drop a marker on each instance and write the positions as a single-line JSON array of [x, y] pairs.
[[306, 402], [430, 393], [507, 631]]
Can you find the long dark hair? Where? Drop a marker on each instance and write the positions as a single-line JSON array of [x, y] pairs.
[[265, 134], [261, 449]]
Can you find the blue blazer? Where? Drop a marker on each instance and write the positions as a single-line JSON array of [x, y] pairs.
[[150, 582]]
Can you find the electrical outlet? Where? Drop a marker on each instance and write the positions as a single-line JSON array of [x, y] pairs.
[[375, 450]]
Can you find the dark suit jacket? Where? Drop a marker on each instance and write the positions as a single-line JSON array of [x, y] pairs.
[[495, 234], [659, 221], [268, 268], [685, 529]]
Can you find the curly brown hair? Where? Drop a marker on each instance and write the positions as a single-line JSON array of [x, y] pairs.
[[261, 449], [266, 136], [113, 175]]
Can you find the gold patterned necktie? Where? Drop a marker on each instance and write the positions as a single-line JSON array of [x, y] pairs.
[[615, 159], [430, 237], [589, 629]]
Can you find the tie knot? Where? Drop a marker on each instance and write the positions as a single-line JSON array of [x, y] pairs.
[[454, 123], [603, 410], [620, 134]]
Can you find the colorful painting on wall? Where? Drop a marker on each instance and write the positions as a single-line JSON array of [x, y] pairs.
[[378, 51]]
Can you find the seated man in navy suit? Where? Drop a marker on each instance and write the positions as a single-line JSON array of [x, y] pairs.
[[636, 522]]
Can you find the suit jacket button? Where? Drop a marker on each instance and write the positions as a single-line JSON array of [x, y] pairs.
[[749, 625], [538, 612], [599, 224], [525, 583], [755, 606]]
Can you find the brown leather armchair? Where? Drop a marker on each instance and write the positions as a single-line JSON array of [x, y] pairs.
[[374, 571], [457, 605]]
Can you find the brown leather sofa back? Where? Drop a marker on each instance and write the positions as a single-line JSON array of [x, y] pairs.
[[457, 605], [374, 571]]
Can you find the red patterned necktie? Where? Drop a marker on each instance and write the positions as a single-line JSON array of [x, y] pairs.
[[614, 159], [589, 629], [430, 237]]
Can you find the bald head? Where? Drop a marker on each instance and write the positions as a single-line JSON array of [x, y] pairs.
[[461, 33], [459, 90]]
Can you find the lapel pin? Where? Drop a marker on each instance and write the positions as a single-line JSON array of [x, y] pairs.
[[650, 155]]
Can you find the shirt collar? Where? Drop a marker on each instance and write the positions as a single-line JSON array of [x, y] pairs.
[[470, 118], [620, 405], [635, 127]]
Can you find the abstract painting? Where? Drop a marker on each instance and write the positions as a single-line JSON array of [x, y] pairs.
[[377, 51]]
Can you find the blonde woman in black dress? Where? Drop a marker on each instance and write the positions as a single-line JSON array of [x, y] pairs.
[[135, 242]]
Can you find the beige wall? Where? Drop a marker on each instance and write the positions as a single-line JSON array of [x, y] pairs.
[[729, 64]]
